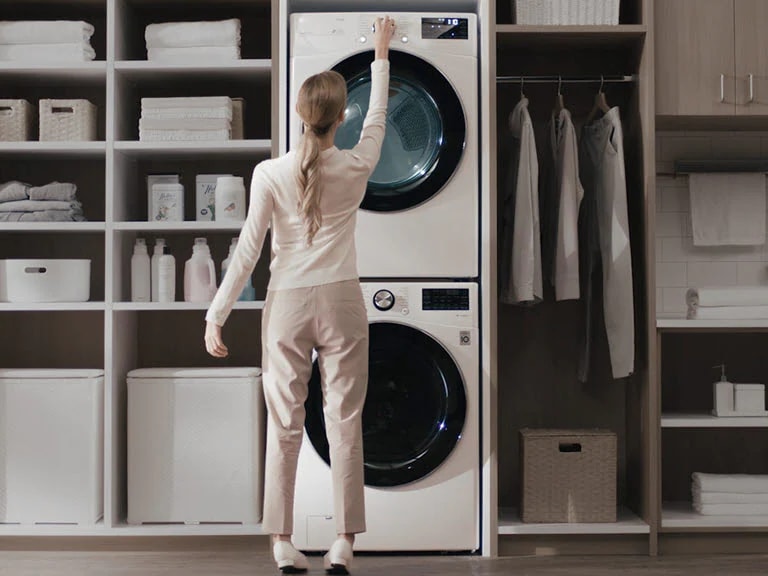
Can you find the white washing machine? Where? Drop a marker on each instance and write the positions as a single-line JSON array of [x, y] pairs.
[[420, 215], [420, 427]]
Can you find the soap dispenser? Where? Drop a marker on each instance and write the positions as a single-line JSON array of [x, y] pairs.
[[723, 395]]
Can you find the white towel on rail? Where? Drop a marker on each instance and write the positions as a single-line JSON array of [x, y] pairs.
[[45, 32], [727, 296], [208, 33], [184, 135], [743, 483], [728, 209], [73, 52], [727, 313], [184, 124], [194, 55]]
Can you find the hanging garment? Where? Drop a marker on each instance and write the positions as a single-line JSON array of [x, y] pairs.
[[605, 224], [565, 194], [521, 242]]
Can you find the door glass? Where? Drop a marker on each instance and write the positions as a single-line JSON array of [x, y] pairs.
[[413, 138]]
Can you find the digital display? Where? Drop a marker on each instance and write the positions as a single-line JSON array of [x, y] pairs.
[[445, 299], [445, 28]]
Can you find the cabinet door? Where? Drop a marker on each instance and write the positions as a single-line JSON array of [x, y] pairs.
[[751, 57], [695, 57]]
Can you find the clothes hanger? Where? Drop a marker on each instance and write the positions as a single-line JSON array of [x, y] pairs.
[[601, 104], [522, 97], [559, 102]]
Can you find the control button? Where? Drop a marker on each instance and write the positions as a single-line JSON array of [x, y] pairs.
[[404, 39], [383, 300], [363, 39], [405, 311]]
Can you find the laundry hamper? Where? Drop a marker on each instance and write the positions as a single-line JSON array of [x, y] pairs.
[[68, 120], [195, 445], [566, 12], [51, 446], [568, 475], [15, 120]]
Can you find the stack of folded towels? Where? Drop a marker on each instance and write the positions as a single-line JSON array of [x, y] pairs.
[[730, 494], [734, 303], [46, 41], [186, 118], [193, 42], [54, 202]]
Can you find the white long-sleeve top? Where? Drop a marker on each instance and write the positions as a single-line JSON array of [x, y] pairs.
[[274, 200]]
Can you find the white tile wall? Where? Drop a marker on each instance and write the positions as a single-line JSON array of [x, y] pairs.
[[679, 264]]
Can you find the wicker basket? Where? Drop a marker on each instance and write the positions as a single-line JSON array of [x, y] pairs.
[[566, 12], [15, 120], [71, 120], [568, 475]]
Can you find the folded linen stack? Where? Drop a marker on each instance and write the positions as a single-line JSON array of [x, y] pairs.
[[50, 41], [734, 303], [193, 42], [186, 118], [53, 202], [730, 494]]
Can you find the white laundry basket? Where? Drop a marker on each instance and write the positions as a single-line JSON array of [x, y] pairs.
[[51, 446], [195, 445]]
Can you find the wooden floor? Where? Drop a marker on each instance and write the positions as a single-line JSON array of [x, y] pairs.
[[256, 563]]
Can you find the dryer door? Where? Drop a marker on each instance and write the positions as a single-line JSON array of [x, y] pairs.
[[426, 130], [414, 410]]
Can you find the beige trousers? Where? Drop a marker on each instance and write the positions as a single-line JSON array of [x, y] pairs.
[[330, 319]]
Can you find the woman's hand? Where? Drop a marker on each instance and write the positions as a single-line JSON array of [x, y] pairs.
[[213, 342], [383, 30]]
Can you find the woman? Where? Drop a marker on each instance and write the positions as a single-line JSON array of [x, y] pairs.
[[314, 302]]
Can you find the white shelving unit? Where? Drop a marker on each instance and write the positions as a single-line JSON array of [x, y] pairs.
[[626, 523], [710, 421], [110, 174], [681, 517]]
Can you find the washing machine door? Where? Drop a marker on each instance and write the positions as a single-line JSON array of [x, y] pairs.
[[414, 409], [426, 130]]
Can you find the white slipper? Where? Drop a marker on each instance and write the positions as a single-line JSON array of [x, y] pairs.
[[338, 560], [289, 560]]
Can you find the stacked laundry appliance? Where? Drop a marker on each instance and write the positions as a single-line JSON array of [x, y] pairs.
[[417, 246]]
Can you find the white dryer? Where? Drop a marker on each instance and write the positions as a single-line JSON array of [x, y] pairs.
[[421, 436], [420, 215]]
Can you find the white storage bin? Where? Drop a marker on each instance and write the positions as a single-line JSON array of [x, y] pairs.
[[51, 446], [45, 280], [69, 120], [195, 445], [566, 12], [15, 120]]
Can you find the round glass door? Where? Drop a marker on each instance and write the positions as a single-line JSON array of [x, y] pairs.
[[425, 130], [414, 410]]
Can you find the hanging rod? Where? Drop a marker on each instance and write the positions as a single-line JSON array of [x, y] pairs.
[[565, 79]]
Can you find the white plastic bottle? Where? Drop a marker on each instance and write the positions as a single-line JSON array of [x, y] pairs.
[[200, 274], [140, 283], [230, 198], [159, 243], [166, 267], [249, 292]]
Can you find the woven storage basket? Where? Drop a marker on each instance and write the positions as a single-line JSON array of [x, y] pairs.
[[67, 120], [568, 475], [15, 120], [566, 12]]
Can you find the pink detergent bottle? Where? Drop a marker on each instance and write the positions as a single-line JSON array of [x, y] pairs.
[[200, 274]]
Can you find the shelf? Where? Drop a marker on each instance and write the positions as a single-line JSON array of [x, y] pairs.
[[680, 517], [64, 227], [51, 306], [187, 530], [149, 227], [86, 71], [513, 34], [709, 421], [684, 325], [56, 149], [142, 69], [180, 306], [186, 149], [10, 530], [627, 523]]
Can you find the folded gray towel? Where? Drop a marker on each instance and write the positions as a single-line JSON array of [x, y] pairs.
[[42, 216], [61, 191], [12, 191], [40, 206]]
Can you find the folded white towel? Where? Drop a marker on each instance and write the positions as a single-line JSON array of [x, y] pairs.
[[73, 52], [45, 32], [194, 55], [187, 113], [741, 483], [731, 509], [727, 497], [39, 206], [727, 209], [727, 296], [184, 135], [175, 34], [184, 124], [727, 312], [223, 102]]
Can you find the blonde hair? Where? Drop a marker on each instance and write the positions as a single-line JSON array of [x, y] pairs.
[[322, 99]]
